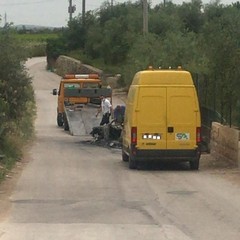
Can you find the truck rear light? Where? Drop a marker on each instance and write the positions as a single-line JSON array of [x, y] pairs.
[[198, 135], [134, 135]]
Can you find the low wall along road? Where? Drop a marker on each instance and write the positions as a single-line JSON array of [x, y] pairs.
[[225, 143]]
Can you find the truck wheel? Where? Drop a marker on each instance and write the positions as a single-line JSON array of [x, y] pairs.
[[194, 164], [66, 126], [59, 120], [132, 163], [125, 157]]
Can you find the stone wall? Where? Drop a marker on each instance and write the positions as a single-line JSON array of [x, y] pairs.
[[66, 65], [225, 143]]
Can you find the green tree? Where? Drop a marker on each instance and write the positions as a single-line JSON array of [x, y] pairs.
[[16, 93], [119, 25], [55, 48], [191, 15], [165, 18], [221, 45], [146, 46]]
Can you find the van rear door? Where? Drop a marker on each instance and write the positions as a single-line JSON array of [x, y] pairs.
[[182, 114], [151, 117], [169, 112]]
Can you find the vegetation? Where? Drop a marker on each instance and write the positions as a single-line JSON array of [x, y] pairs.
[[17, 105], [204, 39], [35, 42]]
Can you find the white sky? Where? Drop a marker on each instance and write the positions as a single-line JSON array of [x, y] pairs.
[[54, 13]]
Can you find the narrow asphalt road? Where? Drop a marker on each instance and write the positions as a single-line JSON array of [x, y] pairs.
[[72, 189]]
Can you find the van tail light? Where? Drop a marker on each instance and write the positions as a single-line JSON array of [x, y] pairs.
[[133, 140], [134, 135], [198, 135]]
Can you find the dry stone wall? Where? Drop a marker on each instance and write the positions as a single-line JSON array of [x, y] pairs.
[[67, 65], [225, 143]]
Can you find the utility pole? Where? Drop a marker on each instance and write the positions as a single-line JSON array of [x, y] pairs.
[[83, 11], [111, 5], [71, 10], [145, 17], [5, 19]]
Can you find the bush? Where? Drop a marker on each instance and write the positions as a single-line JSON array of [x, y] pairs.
[[17, 104]]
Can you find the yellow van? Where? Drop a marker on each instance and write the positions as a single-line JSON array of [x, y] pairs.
[[162, 118]]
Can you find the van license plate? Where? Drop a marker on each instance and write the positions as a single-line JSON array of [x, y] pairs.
[[182, 136]]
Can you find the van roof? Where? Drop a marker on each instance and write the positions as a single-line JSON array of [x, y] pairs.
[[162, 77]]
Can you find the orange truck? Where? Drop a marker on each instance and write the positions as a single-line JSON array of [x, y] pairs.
[[78, 100]]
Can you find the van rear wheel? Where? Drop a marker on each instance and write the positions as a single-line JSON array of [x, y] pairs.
[[194, 164], [132, 163]]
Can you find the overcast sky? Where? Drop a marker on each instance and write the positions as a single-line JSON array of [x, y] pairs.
[[54, 13]]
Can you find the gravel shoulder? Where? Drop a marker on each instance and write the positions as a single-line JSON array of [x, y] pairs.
[[8, 185], [224, 169]]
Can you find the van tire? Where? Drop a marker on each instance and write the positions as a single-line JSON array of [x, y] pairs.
[[125, 157], [194, 164], [132, 163]]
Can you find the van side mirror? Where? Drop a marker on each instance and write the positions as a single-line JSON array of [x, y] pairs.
[[54, 92]]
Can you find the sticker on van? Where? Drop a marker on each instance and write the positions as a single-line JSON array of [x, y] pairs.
[[182, 136]]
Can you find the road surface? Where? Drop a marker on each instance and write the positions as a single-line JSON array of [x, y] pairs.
[[72, 189]]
